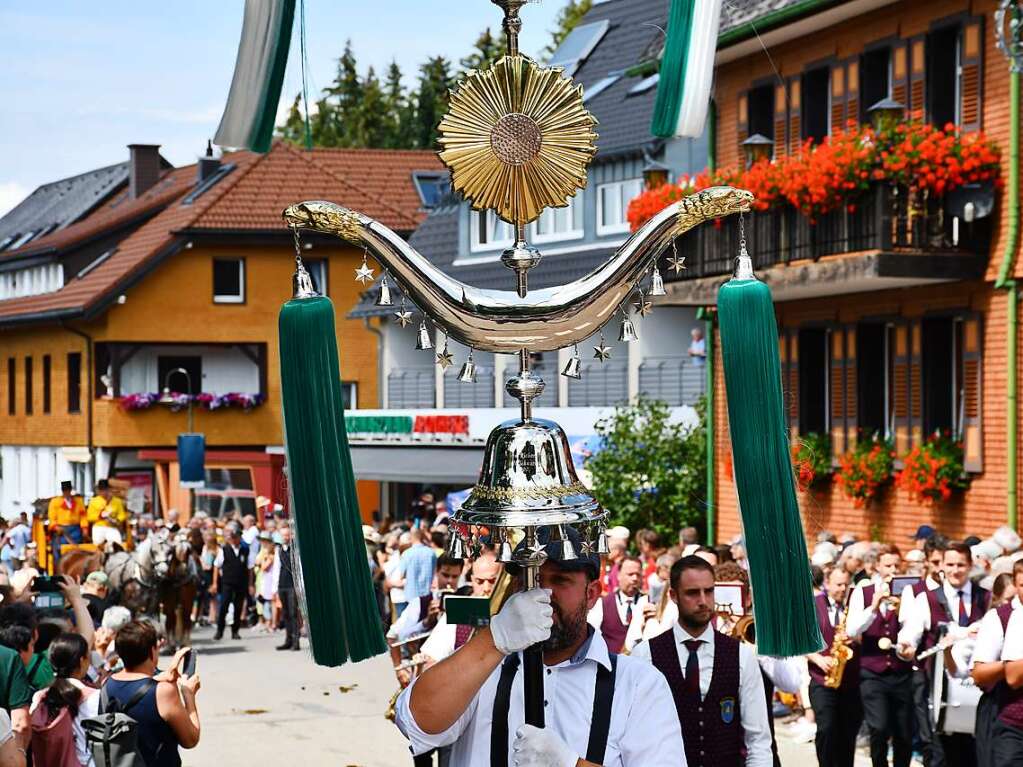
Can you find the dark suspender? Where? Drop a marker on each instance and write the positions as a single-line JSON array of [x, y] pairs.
[[600, 722], [499, 724]]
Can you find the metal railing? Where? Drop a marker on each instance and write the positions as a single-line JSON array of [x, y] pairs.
[[601, 385], [411, 388], [468, 395], [675, 380]]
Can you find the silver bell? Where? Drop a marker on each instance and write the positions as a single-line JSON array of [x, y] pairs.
[[568, 550], [627, 333], [384, 299], [456, 547], [506, 551], [657, 284], [423, 341], [468, 372], [601, 541], [573, 368]]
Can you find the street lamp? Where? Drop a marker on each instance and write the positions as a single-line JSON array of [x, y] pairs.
[[886, 112], [166, 398], [757, 147]]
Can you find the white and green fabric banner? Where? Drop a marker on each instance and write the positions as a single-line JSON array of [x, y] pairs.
[[251, 110], [687, 68]]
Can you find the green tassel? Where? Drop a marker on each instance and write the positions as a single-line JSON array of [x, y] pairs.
[[779, 571], [340, 606]]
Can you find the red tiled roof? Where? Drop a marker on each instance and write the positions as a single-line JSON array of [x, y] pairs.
[[375, 182]]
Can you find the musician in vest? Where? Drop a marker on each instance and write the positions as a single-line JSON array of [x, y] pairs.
[[614, 612], [600, 708], [715, 680], [839, 710], [232, 579], [934, 554], [885, 679], [446, 637], [954, 607], [989, 672]]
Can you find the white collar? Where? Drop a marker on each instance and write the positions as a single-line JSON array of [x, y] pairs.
[[952, 591], [682, 636], [594, 649], [1016, 604]]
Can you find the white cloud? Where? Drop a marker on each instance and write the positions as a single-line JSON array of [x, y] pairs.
[[11, 193]]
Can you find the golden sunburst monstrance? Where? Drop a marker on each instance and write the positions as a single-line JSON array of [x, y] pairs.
[[517, 139]]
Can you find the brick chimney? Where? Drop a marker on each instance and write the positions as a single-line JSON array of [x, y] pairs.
[[143, 168]]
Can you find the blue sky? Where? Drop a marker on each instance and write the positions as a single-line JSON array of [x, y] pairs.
[[80, 81]]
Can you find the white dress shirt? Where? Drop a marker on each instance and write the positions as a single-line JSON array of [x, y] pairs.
[[785, 673], [409, 623], [644, 731], [643, 630], [1012, 647], [441, 642], [752, 698], [990, 637], [920, 620], [862, 614], [596, 614]]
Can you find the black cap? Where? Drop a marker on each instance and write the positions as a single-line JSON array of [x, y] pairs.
[[553, 549], [924, 531], [65, 485], [971, 540]]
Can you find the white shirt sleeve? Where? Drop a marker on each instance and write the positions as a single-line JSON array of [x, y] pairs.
[[860, 615], [1013, 646], [6, 728], [785, 673], [407, 621], [441, 642], [635, 632], [907, 605], [990, 639], [919, 621], [653, 711], [596, 615], [754, 710], [219, 561], [419, 741]]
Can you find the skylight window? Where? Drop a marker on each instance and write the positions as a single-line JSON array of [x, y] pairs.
[[600, 86], [645, 84], [578, 45], [22, 240], [431, 187]]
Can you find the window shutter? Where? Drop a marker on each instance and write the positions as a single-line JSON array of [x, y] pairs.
[[780, 122], [742, 131], [900, 73], [900, 386], [837, 99], [836, 385], [915, 384], [917, 82], [850, 388], [794, 112], [972, 428], [971, 48], [852, 92], [791, 385]]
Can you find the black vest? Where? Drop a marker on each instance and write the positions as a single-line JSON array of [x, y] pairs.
[[235, 570], [286, 577]]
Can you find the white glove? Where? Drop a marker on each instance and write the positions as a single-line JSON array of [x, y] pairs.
[[525, 619], [534, 747]]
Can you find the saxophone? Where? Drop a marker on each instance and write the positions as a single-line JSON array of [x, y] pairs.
[[842, 652]]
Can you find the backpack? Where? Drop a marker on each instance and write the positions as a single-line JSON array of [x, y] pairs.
[[112, 735], [53, 740]]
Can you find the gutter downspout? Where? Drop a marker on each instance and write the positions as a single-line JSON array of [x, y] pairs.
[[1006, 281], [87, 369]]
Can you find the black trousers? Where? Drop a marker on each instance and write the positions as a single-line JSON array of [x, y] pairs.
[[289, 613], [1008, 745], [983, 731], [888, 711], [922, 716], [231, 595], [839, 713]]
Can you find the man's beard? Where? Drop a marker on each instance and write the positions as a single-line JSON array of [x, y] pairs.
[[567, 629]]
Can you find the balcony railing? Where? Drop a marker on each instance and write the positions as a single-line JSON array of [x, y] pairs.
[[884, 218], [602, 385], [411, 388], [675, 380], [467, 395]]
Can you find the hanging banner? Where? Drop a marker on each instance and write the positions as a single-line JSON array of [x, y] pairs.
[[251, 110], [192, 459]]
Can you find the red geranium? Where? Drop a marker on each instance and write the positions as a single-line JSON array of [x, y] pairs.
[[933, 470]]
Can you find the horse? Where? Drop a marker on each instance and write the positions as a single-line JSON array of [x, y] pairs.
[[177, 594], [137, 575], [78, 563]]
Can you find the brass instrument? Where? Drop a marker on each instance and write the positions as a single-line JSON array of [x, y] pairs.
[[745, 630], [842, 652], [894, 601], [415, 665]]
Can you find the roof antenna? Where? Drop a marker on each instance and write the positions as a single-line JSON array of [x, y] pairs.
[[209, 148]]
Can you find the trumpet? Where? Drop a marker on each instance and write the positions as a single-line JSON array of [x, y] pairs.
[[745, 630]]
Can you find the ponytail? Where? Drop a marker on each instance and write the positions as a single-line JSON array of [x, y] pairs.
[[66, 653]]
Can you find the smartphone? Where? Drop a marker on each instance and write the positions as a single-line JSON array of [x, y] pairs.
[[47, 599], [188, 663], [469, 611], [45, 583]]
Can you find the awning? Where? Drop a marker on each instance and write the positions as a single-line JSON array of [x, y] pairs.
[[404, 463]]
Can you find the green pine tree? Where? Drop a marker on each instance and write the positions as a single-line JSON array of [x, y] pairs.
[[431, 100], [371, 122], [293, 129], [397, 110], [346, 90], [486, 50], [568, 18]]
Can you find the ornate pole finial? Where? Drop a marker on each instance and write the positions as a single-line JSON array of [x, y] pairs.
[[512, 22]]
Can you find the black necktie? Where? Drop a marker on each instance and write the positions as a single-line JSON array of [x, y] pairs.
[[693, 667], [628, 612]]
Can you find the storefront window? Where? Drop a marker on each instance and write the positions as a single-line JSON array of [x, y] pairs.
[[226, 491]]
